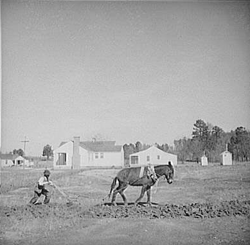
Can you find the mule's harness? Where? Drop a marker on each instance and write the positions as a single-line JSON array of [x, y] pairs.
[[149, 173]]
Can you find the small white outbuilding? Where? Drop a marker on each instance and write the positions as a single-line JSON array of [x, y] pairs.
[[226, 158], [204, 161]]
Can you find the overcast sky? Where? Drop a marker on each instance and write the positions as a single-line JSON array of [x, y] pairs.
[[125, 71]]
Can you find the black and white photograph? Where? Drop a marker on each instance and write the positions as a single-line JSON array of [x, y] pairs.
[[125, 122]]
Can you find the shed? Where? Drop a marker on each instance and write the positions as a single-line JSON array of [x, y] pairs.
[[76, 154], [226, 158], [152, 155], [204, 161]]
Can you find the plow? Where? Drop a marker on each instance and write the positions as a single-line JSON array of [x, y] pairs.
[[68, 199]]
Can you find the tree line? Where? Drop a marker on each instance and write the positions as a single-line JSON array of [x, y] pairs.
[[212, 141], [206, 139], [47, 152]]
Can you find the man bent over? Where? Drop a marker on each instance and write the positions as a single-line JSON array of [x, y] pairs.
[[40, 188]]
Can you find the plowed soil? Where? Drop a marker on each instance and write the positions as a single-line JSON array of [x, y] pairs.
[[208, 205], [194, 210]]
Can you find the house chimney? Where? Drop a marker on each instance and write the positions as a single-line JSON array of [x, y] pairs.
[[76, 155]]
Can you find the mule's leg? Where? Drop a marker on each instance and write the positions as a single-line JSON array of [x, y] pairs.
[[120, 189], [123, 188], [149, 195], [115, 192], [143, 190]]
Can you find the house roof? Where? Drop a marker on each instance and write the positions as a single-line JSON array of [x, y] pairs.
[[9, 156], [99, 146], [153, 147], [62, 143], [225, 152]]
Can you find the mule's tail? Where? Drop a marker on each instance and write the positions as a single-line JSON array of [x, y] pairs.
[[171, 165], [112, 186]]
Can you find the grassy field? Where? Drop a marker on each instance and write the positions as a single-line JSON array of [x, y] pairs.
[[193, 185], [13, 178]]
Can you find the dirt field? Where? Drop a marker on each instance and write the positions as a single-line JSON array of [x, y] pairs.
[[204, 205]]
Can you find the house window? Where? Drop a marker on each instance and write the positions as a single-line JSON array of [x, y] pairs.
[[61, 159], [158, 157], [148, 158], [96, 155], [134, 159], [101, 155]]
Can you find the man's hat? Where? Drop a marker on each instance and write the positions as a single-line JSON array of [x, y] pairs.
[[46, 172]]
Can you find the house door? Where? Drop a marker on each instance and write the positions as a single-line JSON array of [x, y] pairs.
[[61, 159], [19, 162]]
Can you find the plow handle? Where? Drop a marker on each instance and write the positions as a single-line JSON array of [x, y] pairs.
[[59, 190]]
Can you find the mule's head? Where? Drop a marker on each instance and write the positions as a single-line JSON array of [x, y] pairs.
[[169, 174]]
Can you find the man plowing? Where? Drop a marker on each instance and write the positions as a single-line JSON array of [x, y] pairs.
[[40, 188]]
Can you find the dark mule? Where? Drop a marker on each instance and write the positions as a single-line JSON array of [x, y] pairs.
[[131, 176]]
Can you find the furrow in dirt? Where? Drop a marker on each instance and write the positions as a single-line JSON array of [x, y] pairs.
[[193, 210]]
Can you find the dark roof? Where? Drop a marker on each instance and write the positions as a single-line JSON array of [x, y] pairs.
[[62, 143], [99, 146], [8, 156]]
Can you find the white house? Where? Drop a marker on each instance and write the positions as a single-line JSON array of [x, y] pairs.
[[152, 155], [75, 154], [8, 160]]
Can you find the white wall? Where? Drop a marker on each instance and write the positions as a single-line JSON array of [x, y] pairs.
[[153, 153], [227, 158], [6, 163], [68, 149], [87, 159], [109, 159], [204, 161]]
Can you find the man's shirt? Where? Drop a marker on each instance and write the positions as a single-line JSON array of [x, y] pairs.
[[43, 180]]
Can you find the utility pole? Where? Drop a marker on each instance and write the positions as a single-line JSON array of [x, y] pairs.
[[24, 146]]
